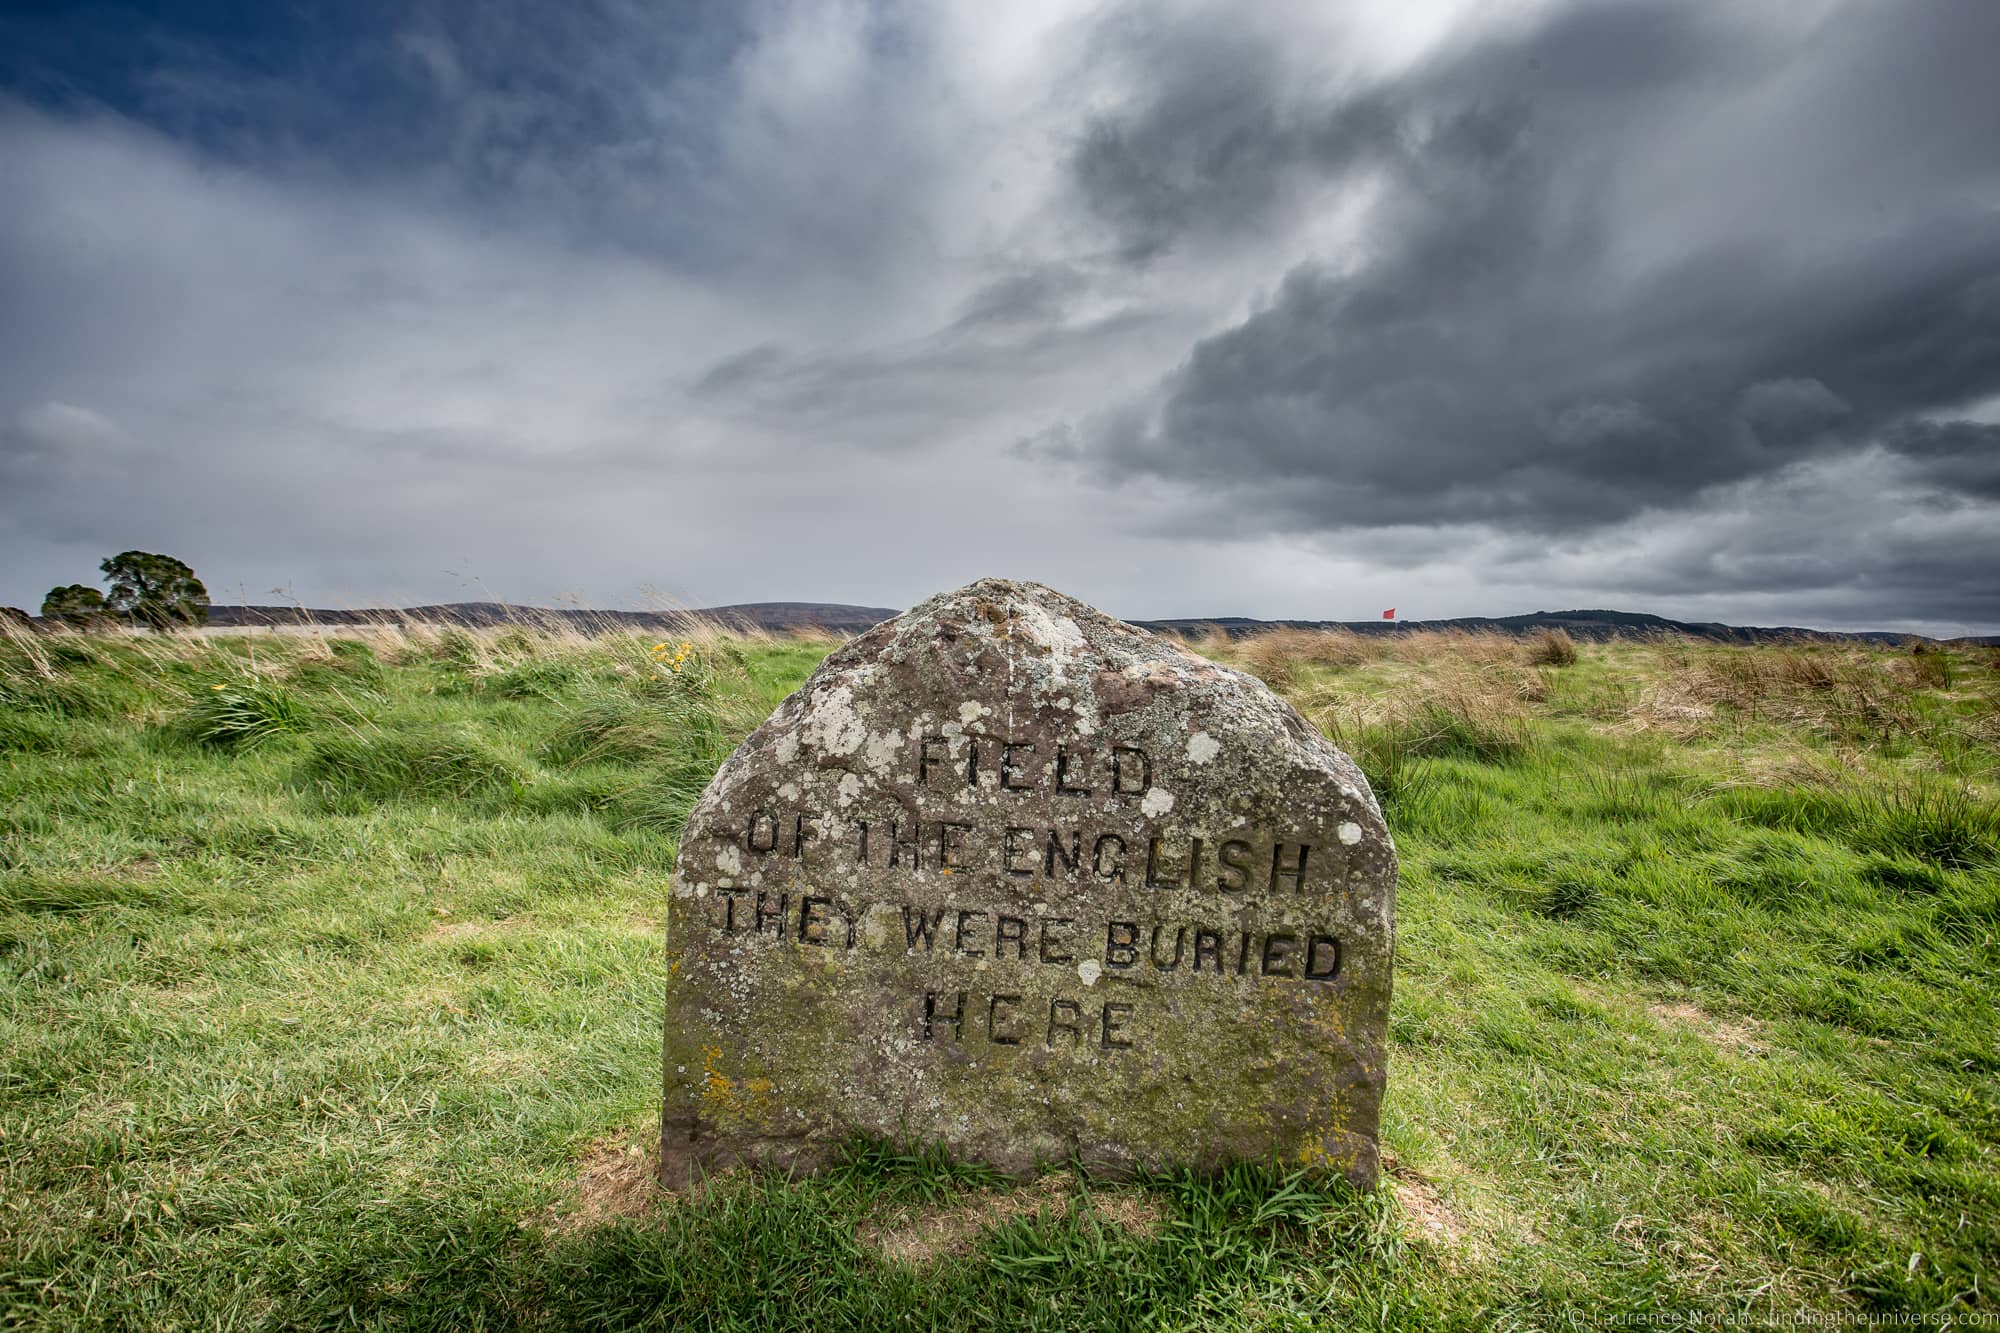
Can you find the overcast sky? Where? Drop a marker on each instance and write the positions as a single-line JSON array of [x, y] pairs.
[[1184, 308]]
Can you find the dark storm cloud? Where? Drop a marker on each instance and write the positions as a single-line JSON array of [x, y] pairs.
[[1962, 457], [1213, 149], [1525, 334]]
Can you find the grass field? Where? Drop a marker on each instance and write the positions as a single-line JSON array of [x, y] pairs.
[[330, 996]]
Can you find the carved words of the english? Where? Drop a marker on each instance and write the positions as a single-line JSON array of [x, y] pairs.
[[1032, 936]]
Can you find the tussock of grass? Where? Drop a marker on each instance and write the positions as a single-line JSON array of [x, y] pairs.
[[672, 728], [23, 733], [420, 764], [1274, 656], [239, 713], [1459, 712], [1925, 818], [1470, 724], [1839, 693], [1552, 647], [539, 680], [1928, 669], [60, 696], [347, 665], [625, 727], [1396, 772], [1935, 821]]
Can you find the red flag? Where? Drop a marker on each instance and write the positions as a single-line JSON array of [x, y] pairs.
[[1390, 614]]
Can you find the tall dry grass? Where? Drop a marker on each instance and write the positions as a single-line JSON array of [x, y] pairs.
[[1552, 647], [1838, 692], [1280, 657], [1275, 656]]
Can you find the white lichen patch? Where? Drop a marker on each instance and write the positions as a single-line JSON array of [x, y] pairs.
[[1202, 747], [832, 726], [850, 788], [1157, 802], [1088, 971], [970, 712], [728, 861], [1350, 833], [881, 751], [1057, 633]]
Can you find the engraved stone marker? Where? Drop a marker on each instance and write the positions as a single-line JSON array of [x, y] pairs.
[[1014, 876]]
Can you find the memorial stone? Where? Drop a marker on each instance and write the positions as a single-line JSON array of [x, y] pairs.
[[1011, 876]]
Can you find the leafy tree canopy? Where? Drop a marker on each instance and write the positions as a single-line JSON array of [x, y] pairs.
[[156, 590], [73, 604]]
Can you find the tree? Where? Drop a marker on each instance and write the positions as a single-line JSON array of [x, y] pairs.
[[73, 604], [156, 590]]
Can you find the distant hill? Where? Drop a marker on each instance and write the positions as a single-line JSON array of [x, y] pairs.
[[839, 618], [755, 615], [1596, 625]]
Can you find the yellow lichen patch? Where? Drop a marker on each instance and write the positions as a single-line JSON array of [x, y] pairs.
[[1318, 1155], [725, 1093], [716, 1086]]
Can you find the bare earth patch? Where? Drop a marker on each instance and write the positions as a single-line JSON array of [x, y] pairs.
[[1736, 1034], [1427, 1211], [1427, 1216], [919, 1236], [458, 930], [618, 1179], [1457, 1235]]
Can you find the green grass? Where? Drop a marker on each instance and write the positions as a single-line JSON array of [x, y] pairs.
[[325, 997]]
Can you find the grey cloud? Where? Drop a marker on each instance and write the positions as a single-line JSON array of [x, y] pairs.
[[1214, 149], [1785, 410], [1042, 294], [1227, 134], [1845, 540], [742, 370], [1960, 457], [994, 359]]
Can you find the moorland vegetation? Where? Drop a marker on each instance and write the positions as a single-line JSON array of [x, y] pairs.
[[329, 997]]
